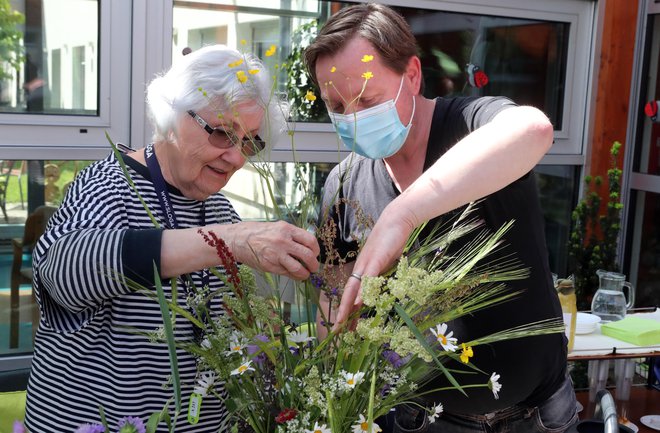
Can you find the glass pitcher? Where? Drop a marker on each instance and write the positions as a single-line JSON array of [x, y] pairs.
[[609, 302]]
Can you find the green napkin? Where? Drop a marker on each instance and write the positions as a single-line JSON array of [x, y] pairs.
[[635, 330]]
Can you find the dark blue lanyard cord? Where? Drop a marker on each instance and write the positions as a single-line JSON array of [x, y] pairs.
[[164, 198]]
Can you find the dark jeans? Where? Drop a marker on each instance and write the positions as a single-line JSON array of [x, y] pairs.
[[554, 415]]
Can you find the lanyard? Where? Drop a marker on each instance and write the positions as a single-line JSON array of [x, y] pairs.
[[166, 203]]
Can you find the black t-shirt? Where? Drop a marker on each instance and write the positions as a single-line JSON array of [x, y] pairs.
[[531, 368]]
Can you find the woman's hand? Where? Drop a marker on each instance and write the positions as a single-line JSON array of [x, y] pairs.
[[276, 247], [379, 253]]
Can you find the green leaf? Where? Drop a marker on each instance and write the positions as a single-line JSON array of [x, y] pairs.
[[420, 338], [104, 421], [169, 334]]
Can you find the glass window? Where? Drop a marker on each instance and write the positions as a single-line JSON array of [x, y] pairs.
[[521, 58], [298, 185], [30, 191], [558, 189], [46, 68], [646, 249]]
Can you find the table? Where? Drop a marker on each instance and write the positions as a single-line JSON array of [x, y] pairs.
[[599, 350]]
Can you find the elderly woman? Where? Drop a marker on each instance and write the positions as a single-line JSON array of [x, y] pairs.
[[207, 116]]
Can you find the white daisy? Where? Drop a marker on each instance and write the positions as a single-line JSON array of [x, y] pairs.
[[205, 383], [352, 379], [445, 339], [319, 429], [494, 385], [245, 366], [299, 337], [362, 426], [236, 345], [437, 410]]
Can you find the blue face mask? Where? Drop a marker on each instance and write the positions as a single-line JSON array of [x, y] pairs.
[[375, 132]]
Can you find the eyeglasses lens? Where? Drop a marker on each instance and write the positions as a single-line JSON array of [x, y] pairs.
[[225, 140]]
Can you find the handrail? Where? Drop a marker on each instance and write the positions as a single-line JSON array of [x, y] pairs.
[[606, 409]]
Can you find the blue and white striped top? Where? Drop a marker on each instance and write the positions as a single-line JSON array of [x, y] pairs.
[[87, 351]]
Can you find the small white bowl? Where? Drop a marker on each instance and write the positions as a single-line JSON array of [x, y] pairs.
[[586, 323]]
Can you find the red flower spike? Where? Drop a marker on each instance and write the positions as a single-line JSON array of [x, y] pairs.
[[286, 415], [226, 257]]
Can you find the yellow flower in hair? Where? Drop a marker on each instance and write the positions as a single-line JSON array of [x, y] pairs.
[[270, 51], [310, 96], [236, 63], [466, 354], [241, 76], [333, 69], [253, 71], [367, 75], [367, 58]]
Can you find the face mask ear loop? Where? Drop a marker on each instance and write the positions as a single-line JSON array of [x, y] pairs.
[[414, 102], [413, 112], [400, 87]]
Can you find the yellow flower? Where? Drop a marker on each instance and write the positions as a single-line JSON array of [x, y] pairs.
[[333, 69], [367, 58], [466, 354], [367, 75], [310, 96], [270, 51], [253, 71], [241, 76], [243, 42], [236, 63]]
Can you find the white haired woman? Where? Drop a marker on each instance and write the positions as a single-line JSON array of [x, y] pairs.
[[207, 116]]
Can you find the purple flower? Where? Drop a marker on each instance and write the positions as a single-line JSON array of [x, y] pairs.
[[131, 424], [262, 338], [316, 280], [18, 427], [294, 350], [253, 348], [91, 428], [395, 359], [334, 291]]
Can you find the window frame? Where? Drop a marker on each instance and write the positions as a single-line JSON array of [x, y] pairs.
[[570, 142], [76, 136]]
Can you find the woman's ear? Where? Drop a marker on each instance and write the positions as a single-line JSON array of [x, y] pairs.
[[414, 74]]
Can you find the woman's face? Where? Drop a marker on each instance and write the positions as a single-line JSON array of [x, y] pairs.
[[199, 167]]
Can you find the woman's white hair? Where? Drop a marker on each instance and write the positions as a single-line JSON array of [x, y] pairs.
[[207, 77]]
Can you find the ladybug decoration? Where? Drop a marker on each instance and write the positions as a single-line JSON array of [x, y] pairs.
[[651, 110], [476, 77]]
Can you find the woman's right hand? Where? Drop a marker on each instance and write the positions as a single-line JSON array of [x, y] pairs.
[[276, 247]]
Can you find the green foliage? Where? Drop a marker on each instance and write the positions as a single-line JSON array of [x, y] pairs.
[[594, 239], [298, 80], [11, 39]]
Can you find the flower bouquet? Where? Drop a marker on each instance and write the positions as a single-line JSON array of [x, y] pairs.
[[275, 374]]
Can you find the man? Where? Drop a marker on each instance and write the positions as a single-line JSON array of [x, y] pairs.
[[422, 159]]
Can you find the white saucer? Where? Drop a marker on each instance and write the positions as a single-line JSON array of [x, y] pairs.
[[586, 323], [651, 421]]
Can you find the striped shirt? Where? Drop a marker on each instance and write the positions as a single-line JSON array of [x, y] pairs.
[[88, 351]]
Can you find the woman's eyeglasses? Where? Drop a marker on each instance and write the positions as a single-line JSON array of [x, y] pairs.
[[225, 139]]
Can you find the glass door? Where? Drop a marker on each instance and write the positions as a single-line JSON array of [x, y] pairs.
[[643, 243]]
